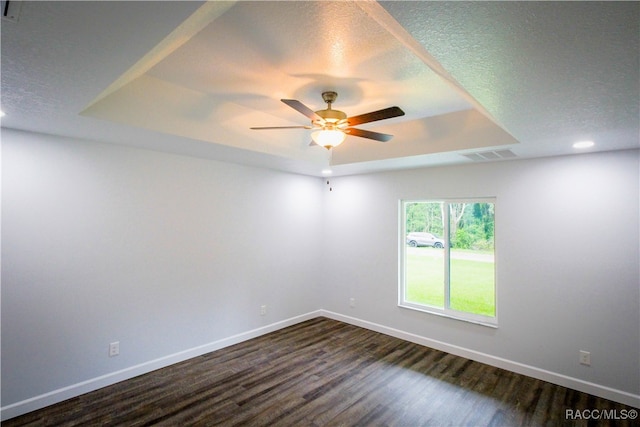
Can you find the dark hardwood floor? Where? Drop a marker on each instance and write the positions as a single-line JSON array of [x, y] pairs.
[[326, 373]]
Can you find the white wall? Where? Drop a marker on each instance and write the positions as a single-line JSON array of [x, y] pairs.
[[163, 253], [567, 260], [166, 253]]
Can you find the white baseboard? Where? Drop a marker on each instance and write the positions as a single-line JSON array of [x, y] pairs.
[[59, 395], [519, 368]]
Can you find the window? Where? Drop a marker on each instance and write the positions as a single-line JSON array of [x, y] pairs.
[[447, 258]]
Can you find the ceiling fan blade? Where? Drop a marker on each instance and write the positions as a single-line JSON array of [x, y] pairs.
[[382, 137], [280, 127], [301, 108], [386, 113]]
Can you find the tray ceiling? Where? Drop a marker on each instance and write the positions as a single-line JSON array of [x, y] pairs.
[[193, 77]]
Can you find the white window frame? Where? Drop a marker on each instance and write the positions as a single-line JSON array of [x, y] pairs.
[[446, 311]]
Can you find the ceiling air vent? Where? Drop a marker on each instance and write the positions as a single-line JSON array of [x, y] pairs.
[[490, 155], [11, 10]]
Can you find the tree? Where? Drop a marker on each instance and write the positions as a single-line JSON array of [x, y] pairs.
[[456, 211], [471, 225], [424, 216]]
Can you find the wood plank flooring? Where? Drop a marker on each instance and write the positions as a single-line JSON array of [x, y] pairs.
[[325, 373]]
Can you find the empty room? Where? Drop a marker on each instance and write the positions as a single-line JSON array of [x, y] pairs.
[[320, 213]]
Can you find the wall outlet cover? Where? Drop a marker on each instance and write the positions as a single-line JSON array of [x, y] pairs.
[[585, 358], [114, 349]]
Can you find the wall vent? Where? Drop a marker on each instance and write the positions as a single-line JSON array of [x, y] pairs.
[[490, 155], [11, 10]]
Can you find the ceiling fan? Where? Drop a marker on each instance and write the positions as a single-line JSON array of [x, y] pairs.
[[332, 126]]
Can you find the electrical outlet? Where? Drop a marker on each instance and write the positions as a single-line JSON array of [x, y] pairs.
[[352, 302], [263, 310], [114, 349], [585, 358]]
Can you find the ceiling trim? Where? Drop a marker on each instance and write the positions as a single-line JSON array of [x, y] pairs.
[[207, 13]]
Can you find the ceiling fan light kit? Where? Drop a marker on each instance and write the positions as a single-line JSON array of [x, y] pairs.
[[328, 138], [331, 127]]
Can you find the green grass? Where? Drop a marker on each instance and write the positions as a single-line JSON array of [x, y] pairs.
[[472, 282], [425, 277]]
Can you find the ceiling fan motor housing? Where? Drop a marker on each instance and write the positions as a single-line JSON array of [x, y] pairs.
[[329, 116]]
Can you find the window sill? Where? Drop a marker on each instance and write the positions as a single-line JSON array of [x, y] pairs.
[[451, 315]]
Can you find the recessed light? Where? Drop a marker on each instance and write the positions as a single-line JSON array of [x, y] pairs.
[[327, 172], [1, 113], [583, 144]]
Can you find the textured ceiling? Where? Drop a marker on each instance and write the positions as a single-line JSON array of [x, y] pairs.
[[551, 72], [192, 77]]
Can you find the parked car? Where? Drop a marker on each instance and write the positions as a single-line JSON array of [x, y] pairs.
[[416, 239]]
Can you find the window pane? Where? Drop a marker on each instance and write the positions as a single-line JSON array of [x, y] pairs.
[[472, 272], [424, 257]]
